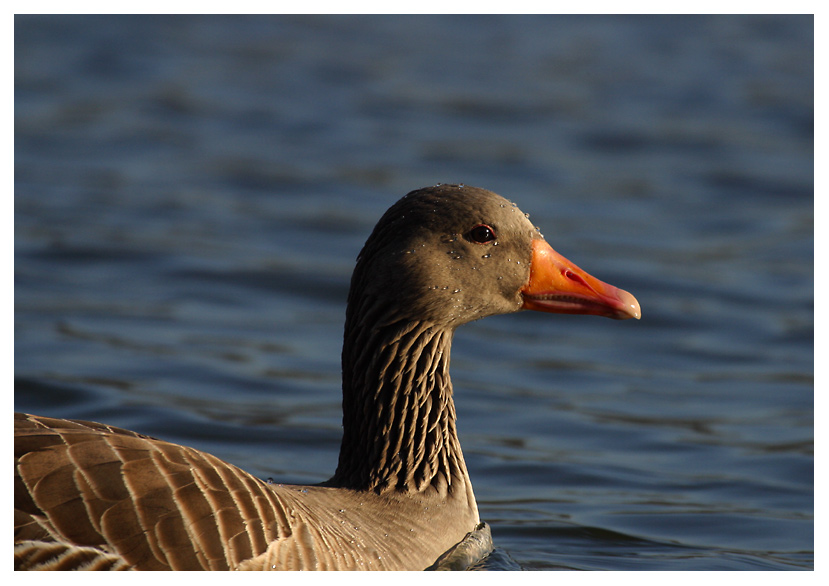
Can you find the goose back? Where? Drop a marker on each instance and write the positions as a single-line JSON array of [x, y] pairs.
[[93, 496]]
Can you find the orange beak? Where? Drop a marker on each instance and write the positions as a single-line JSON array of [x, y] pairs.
[[558, 286]]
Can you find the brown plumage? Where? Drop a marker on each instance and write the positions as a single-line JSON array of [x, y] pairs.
[[91, 496]]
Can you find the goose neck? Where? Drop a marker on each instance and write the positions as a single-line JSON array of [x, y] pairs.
[[399, 429]]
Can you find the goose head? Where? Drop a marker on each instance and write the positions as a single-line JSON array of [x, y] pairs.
[[451, 254]]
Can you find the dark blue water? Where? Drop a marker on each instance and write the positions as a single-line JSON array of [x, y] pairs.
[[191, 193]]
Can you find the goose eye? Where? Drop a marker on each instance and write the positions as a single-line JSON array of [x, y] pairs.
[[482, 234]]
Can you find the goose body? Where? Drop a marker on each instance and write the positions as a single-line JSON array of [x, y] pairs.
[[91, 496]]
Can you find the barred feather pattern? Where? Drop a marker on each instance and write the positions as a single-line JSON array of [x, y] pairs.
[[92, 496]]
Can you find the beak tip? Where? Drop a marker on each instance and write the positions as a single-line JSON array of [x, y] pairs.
[[631, 307]]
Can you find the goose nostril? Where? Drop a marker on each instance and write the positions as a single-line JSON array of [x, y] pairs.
[[574, 277]]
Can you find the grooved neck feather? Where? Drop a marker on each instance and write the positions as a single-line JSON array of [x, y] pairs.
[[398, 414]]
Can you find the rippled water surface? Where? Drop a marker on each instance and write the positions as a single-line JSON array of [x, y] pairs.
[[191, 193]]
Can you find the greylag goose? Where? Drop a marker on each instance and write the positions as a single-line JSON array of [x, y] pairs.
[[92, 496]]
